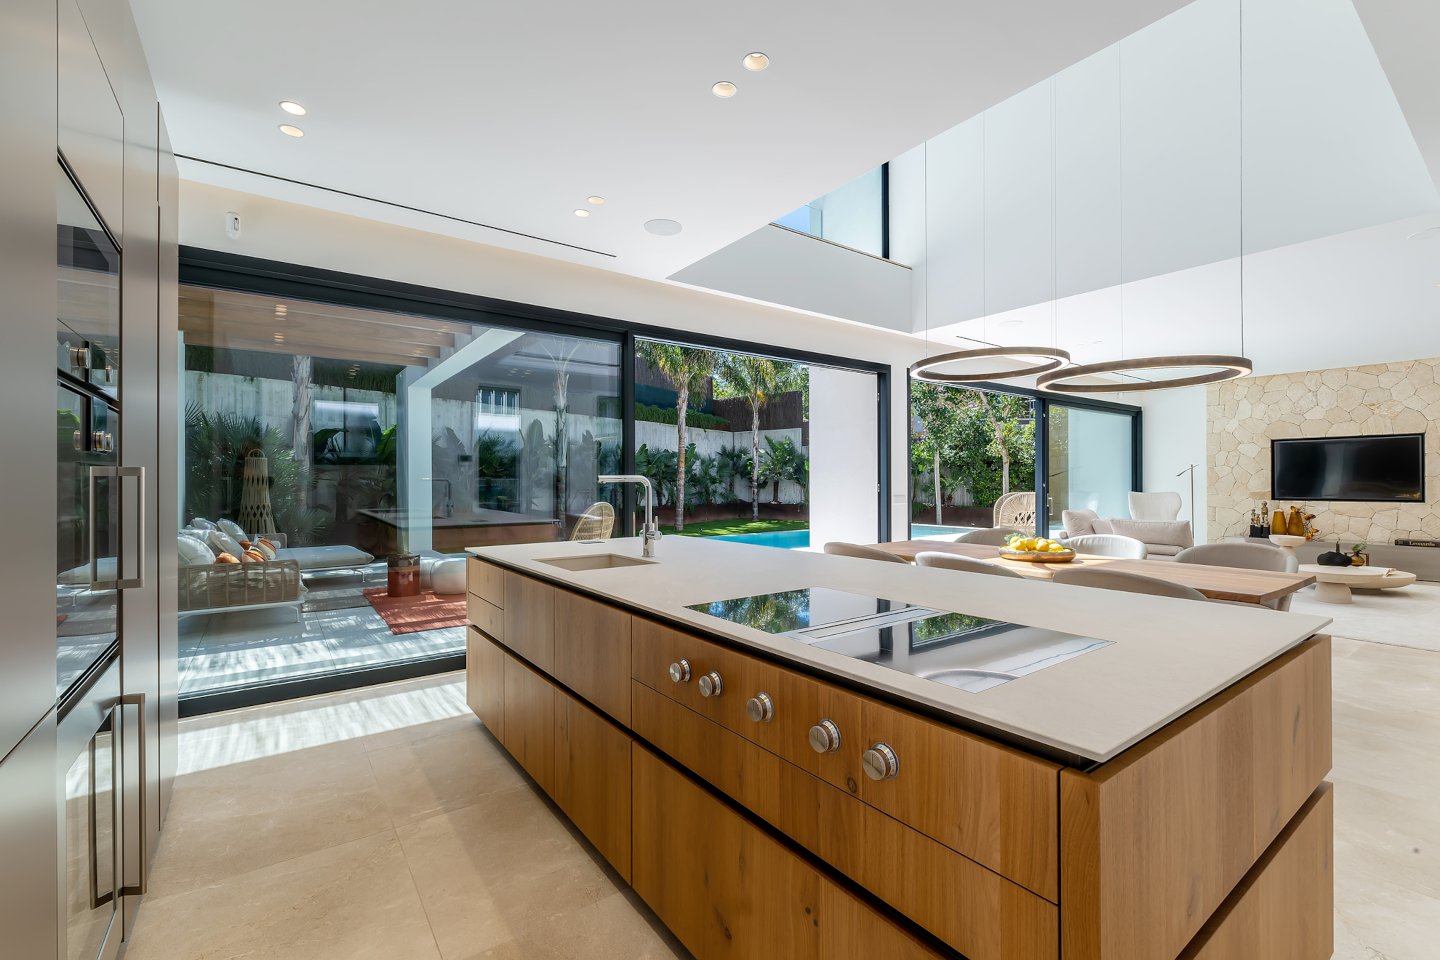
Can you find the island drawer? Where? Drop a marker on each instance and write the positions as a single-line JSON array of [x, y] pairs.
[[973, 909], [592, 652], [485, 580], [727, 889], [995, 805], [485, 616]]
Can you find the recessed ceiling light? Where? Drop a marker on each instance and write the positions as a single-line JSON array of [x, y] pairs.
[[595, 201], [582, 212], [663, 228], [755, 62], [292, 108], [724, 89], [290, 130]]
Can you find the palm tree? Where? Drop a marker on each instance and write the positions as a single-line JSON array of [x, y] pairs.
[[757, 379], [687, 369], [782, 461]]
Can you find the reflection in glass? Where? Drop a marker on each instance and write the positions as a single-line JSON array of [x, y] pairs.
[[90, 848], [1091, 462], [851, 215]]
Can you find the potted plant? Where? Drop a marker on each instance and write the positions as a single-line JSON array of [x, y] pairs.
[[1359, 555]]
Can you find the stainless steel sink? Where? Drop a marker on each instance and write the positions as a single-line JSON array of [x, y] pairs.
[[595, 561]]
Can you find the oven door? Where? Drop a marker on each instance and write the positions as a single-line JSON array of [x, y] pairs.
[[91, 778]]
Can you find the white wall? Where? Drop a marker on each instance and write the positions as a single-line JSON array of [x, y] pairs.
[[297, 234], [1174, 431], [843, 498]]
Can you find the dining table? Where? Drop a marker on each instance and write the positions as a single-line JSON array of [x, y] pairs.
[[1233, 584]]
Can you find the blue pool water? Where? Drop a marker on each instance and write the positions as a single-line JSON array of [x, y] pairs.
[[919, 531], [784, 539]]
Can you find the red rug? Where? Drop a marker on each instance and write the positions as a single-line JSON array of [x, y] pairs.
[[428, 611]]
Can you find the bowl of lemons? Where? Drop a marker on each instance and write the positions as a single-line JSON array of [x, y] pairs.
[[1036, 550]]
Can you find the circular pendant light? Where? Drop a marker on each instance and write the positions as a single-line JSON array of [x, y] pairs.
[[1043, 359], [1221, 368]]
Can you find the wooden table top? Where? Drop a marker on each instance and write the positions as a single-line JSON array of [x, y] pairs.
[[1217, 583]]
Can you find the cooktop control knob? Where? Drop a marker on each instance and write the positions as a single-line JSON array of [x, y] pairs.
[[711, 685], [680, 671], [825, 737], [880, 762], [760, 708]]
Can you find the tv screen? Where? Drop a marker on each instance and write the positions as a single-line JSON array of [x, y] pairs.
[[1349, 468]]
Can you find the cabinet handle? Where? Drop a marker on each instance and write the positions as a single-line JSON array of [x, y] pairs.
[[825, 737], [760, 708], [136, 582], [680, 671], [880, 762], [136, 700], [711, 685]]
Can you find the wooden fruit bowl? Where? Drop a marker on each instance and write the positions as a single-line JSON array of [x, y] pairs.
[[1037, 556]]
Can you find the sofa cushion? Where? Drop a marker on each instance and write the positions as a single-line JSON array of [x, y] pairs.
[[193, 551], [1078, 523], [337, 557], [1154, 533]]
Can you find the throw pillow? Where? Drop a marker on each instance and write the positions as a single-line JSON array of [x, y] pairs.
[[1078, 522], [233, 528], [193, 551], [222, 542]]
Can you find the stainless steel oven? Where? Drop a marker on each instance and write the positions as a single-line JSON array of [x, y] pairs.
[[100, 756]]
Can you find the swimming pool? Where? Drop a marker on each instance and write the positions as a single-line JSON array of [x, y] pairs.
[[784, 539], [928, 531]]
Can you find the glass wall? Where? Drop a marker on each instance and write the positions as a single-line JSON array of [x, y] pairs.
[[336, 438], [724, 439], [972, 460], [1090, 462], [852, 215]]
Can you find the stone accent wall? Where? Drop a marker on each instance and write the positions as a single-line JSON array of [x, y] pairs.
[[1245, 415]]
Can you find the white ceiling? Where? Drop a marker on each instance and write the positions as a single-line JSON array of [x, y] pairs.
[[511, 114]]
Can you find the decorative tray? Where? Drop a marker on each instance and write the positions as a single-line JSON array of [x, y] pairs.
[[1037, 556]]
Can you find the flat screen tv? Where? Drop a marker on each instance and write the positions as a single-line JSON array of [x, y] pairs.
[[1381, 468]]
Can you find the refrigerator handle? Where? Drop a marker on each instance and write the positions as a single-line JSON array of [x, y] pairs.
[[136, 582], [96, 473], [136, 700]]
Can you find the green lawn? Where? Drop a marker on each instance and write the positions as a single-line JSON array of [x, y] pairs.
[[718, 528]]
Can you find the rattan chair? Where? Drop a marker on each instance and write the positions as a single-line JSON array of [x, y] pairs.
[[595, 523], [1015, 510]]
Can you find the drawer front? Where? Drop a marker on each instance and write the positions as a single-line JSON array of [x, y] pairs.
[[529, 723], [727, 890], [592, 652], [530, 620], [1283, 909], [995, 805], [971, 908], [592, 778], [485, 580], [485, 681], [486, 617]]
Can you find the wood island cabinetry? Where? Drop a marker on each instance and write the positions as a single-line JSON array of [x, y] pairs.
[[1209, 838]]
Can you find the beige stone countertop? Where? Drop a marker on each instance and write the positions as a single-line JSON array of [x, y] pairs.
[[1166, 655]]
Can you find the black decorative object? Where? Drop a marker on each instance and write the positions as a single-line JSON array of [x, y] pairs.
[[1334, 558]]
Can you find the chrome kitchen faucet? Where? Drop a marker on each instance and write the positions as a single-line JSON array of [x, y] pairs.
[[649, 533]]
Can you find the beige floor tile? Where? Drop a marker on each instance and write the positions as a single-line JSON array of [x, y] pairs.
[[612, 928], [492, 871], [233, 819], [355, 901], [433, 774]]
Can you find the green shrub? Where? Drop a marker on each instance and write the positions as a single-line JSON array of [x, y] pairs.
[[693, 418]]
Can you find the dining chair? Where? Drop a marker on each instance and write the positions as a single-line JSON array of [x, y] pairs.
[[953, 561], [1103, 579], [841, 549], [1108, 545], [987, 536], [1247, 556]]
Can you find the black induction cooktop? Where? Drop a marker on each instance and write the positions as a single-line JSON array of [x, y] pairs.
[[958, 650]]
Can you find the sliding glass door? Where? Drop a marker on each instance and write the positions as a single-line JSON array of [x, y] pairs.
[[1090, 462], [329, 450]]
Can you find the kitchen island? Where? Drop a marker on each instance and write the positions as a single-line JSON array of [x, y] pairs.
[[796, 755]]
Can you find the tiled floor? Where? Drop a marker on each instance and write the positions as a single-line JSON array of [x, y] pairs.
[[338, 630], [385, 823], [382, 823]]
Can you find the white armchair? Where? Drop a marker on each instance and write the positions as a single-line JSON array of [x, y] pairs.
[[1163, 506]]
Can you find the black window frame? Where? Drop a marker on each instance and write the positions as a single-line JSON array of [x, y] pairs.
[[1044, 402]]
